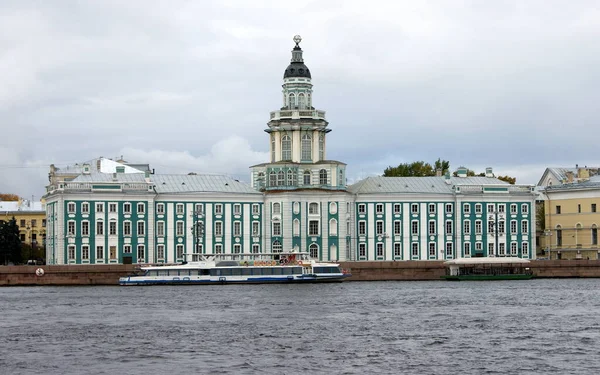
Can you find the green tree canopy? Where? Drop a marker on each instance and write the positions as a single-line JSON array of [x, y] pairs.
[[416, 169]]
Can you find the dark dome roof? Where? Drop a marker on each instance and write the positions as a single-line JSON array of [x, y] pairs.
[[296, 69]]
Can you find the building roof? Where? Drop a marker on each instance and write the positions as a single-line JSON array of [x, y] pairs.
[[418, 185], [21, 206], [561, 174], [592, 183]]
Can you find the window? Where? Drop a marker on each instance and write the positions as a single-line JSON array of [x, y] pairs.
[[237, 248], [255, 248], [313, 228], [179, 228], [218, 209], [379, 228], [362, 208], [255, 228], [432, 208], [141, 208], [513, 226], [306, 178], [112, 207], [467, 227], [513, 248], [379, 208], [396, 208], [276, 229], [362, 228], [448, 208], [593, 207], [524, 209], [415, 249], [292, 100], [313, 208], [490, 208], [85, 228], [255, 209], [558, 236], [237, 228], [448, 227], [501, 227], [432, 249], [578, 208], [218, 248], [99, 207], [333, 208], [296, 228], [286, 148], [490, 249], [140, 252], [449, 249], [22, 223], [323, 177], [276, 208], [594, 234], [43, 223], [379, 250], [33, 223], [478, 246], [333, 227], [321, 147], [127, 208], [160, 208], [272, 178], [127, 249], [85, 252], [71, 252], [280, 178], [501, 208], [113, 252], [179, 251], [314, 251], [179, 209], [397, 228], [466, 208], [467, 248], [414, 208], [70, 209], [397, 250], [362, 250], [100, 228], [160, 228], [478, 208], [501, 249], [141, 228], [127, 228], [306, 146], [160, 252], [431, 227], [99, 252], [524, 226], [478, 227], [414, 227], [558, 210], [112, 228], [277, 247], [85, 208], [525, 249]]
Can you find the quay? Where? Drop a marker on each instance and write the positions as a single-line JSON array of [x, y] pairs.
[[361, 271]]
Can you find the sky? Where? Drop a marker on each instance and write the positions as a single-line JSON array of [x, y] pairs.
[[187, 86]]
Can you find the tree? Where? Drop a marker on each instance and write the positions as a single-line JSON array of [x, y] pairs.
[[10, 242], [416, 169], [8, 197], [540, 216], [510, 180]]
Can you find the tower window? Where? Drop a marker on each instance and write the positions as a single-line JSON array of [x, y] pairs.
[[286, 148], [323, 177], [306, 147], [301, 101], [272, 179], [321, 147], [306, 178], [292, 101]]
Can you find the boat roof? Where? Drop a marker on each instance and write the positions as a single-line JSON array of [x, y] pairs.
[[487, 260]]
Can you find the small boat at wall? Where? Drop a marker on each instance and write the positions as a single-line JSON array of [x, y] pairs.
[[488, 268], [244, 268]]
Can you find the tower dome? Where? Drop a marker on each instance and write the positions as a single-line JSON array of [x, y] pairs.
[[297, 68]]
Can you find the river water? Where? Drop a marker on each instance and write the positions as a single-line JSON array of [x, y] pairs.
[[502, 327]]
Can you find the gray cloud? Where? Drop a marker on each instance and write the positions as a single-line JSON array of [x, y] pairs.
[[182, 85]]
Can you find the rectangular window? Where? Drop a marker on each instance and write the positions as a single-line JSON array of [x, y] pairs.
[[70, 208], [71, 252], [449, 249], [478, 208], [179, 228], [431, 208], [449, 227], [379, 208], [313, 228], [218, 228], [594, 235], [141, 208], [85, 252], [448, 208], [379, 228], [414, 227], [127, 228], [22, 223], [491, 249], [362, 250], [397, 208], [99, 207], [466, 208], [593, 207], [160, 228], [478, 227], [513, 208], [362, 208], [414, 208], [237, 228], [141, 228], [218, 209], [276, 229], [112, 228], [85, 208], [100, 228], [397, 228], [112, 207], [397, 250], [415, 249], [127, 208], [513, 248], [467, 248], [578, 208], [33, 223], [237, 209], [379, 250], [237, 248], [179, 209], [501, 208], [160, 252], [127, 249], [113, 252], [558, 210], [467, 227], [43, 223], [524, 227], [255, 209], [432, 249], [313, 208], [501, 227], [160, 208], [255, 228], [525, 249], [362, 228], [255, 248], [501, 249], [85, 228], [490, 208], [478, 246], [432, 227], [525, 209], [179, 251], [140, 253], [99, 252]]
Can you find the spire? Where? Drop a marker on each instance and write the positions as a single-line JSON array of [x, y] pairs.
[[297, 67], [297, 51]]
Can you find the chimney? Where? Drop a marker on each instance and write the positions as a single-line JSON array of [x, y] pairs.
[[488, 172], [438, 172], [569, 177]]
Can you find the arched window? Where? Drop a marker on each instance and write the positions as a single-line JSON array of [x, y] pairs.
[[301, 101], [321, 147], [306, 178], [314, 251], [313, 208], [272, 179], [277, 248], [323, 177], [306, 147], [280, 178], [292, 101], [333, 227], [286, 148]]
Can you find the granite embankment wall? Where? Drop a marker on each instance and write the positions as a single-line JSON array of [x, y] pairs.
[[361, 271]]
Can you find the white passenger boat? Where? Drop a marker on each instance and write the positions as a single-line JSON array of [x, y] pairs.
[[293, 267]]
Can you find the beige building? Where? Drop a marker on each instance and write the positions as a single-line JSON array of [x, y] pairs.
[[571, 199]]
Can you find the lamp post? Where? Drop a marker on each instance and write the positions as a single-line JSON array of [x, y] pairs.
[[29, 234]]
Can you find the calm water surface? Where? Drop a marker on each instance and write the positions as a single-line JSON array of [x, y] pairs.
[[513, 327]]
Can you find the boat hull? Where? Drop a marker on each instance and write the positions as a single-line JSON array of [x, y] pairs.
[[139, 281], [487, 277]]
